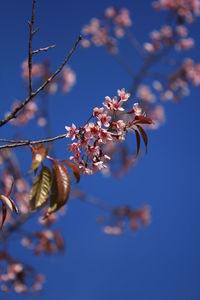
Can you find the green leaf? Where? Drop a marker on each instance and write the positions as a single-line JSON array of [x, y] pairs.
[[41, 188], [60, 188]]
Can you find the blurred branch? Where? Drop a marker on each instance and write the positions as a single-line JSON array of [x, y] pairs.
[[78, 194], [136, 44]]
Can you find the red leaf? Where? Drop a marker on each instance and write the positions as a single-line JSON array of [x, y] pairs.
[[74, 168], [138, 141], [4, 214], [39, 152], [60, 188], [14, 206], [143, 120], [144, 136]]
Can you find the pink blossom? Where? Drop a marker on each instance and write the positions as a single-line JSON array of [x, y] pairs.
[[137, 109], [71, 131], [123, 95], [97, 111], [114, 104], [103, 119]]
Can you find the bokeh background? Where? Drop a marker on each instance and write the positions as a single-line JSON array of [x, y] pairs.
[[161, 261]]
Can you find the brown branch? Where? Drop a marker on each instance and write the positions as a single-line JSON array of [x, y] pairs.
[[28, 142], [30, 54], [43, 49], [13, 114]]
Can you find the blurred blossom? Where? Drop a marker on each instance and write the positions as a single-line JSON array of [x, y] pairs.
[[69, 79], [145, 94], [185, 9], [37, 70], [105, 31], [17, 276], [167, 36], [27, 114]]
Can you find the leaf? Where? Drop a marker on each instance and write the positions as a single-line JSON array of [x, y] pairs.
[[143, 120], [39, 152], [4, 214], [74, 168], [138, 141], [144, 136], [60, 188], [7, 202], [41, 188], [14, 206]]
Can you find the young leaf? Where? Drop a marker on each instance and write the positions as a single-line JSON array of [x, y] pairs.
[[143, 120], [7, 202], [74, 168], [39, 152], [144, 136], [4, 214], [41, 188], [60, 188], [138, 141]]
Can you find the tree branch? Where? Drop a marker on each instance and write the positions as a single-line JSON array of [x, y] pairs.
[[14, 144], [30, 54], [43, 49], [13, 114]]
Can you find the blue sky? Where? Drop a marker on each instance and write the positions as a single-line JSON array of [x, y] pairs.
[[158, 262]]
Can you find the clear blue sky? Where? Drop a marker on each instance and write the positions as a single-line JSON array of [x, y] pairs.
[[159, 262]]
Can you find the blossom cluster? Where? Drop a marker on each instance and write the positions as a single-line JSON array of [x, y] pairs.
[[185, 9], [42, 71], [17, 276], [105, 31], [44, 241], [119, 216], [109, 125], [168, 36], [179, 81]]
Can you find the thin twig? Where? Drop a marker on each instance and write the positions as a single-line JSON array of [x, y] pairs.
[[43, 49], [11, 141], [13, 114], [28, 142], [30, 54]]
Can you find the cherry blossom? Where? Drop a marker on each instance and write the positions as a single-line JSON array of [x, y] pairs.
[[92, 138]]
